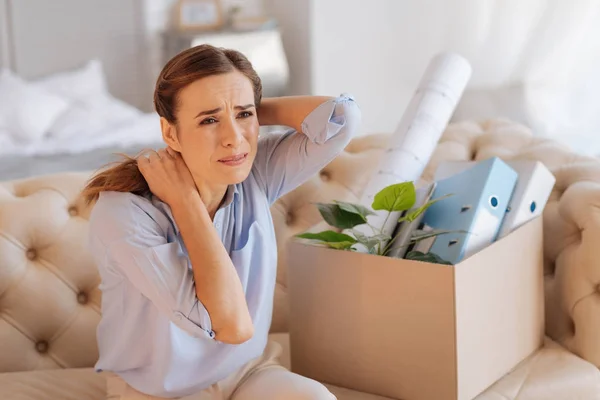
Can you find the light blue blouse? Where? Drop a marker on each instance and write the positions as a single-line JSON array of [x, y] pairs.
[[154, 333]]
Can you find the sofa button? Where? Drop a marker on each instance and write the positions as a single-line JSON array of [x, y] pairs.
[[31, 254], [82, 298], [325, 176], [73, 211], [41, 346], [289, 218]]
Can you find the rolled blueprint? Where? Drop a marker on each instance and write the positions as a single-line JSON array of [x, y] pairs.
[[416, 136]]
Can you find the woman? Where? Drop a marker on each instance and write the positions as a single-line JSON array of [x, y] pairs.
[[184, 239]]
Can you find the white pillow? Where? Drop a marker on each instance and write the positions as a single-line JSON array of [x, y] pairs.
[[27, 112], [93, 117], [79, 85], [93, 110]]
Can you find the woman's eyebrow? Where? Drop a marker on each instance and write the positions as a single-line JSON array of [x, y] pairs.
[[207, 112], [244, 107], [216, 110]]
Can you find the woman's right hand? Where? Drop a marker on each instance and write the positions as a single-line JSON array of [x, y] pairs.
[[168, 176], [216, 281]]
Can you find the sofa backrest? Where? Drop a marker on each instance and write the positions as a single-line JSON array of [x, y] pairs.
[[49, 297]]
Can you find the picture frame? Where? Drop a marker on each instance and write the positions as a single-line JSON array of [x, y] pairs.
[[198, 15]]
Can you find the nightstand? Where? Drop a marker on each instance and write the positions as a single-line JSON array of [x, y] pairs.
[[263, 48]]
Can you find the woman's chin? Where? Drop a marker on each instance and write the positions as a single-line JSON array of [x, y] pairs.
[[236, 175]]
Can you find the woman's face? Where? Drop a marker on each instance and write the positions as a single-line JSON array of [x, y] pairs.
[[217, 128]]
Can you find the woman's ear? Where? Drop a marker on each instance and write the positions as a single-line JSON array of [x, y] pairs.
[[169, 134]]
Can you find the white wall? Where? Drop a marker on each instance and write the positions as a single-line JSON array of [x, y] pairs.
[[354, 51], [294, 18], [4, 61]]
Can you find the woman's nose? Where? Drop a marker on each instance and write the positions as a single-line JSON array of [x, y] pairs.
[[233, 135]]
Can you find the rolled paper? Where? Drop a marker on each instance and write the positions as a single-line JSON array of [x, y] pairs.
[[416, 136]]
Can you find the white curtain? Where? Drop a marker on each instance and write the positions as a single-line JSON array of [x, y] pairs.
[[535, 61]]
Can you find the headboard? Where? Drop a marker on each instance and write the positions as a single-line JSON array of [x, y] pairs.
[[41, 37]]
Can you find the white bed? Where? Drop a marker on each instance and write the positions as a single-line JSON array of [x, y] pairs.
[[75, 85]]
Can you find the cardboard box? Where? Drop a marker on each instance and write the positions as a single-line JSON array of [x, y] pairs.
[[416, 331]]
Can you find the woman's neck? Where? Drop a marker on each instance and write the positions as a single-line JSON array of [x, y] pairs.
[[212, 197]]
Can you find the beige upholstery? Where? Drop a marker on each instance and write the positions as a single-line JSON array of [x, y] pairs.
[[552, 373], [49, 301], [53, 384]]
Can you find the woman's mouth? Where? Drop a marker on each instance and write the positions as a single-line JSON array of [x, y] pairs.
[[234, 160]]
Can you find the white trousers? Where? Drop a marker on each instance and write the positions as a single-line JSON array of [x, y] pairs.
[[260, 379]]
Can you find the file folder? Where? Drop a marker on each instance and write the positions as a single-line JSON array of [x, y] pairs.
[[480, 195], [534, 186]]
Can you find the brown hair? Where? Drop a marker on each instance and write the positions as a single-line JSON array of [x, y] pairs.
[[188, 66]]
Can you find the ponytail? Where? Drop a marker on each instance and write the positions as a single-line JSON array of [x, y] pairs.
[[123, 176]]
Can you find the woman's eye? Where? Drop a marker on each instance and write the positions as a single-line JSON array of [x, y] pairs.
[[207, 121], [245, 114]]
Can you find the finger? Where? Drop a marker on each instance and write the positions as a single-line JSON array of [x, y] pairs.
[[142, 159], [163, 155], [153, 156], [143, 163], [172, 152]]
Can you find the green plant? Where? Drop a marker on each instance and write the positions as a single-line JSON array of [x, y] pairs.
[[346, 216]]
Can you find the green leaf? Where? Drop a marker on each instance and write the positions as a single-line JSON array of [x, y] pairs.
[[426, 257], [410, 217], [331, 239], [336, 216], [355, 208], [396, 197], [371, 242], [340, 245], [414, 214]]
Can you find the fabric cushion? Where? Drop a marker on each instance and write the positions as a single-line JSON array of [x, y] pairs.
[[93, 109], [93, 117], [551, 373], [53, 384], [341, 393], [84, 383], [80, 85], [27, 112]]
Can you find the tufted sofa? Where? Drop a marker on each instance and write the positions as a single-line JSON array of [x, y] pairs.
[[50, 302]]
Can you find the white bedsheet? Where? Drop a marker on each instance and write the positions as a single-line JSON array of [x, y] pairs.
[[144, 130]]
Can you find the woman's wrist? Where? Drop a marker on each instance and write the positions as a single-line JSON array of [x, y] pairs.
[[289, 110], [267, 111], [182, 205]]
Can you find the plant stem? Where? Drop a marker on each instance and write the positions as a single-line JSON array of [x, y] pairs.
[[387, 247], [384, 222]]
